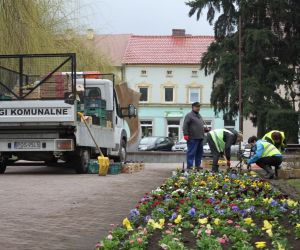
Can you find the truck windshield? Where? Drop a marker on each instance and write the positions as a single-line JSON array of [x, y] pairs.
[[36, 76]]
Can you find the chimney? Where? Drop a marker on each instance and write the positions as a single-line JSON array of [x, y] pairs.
[[178, 32]]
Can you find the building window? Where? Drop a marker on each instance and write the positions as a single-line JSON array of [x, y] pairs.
[[229, 123], [194, 95], [169, 94], [173, 129], [143, 72], [144, 94], [147, 128], [169, 73], [195, 73]]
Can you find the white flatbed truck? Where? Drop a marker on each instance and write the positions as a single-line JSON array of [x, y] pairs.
[[38, 112]]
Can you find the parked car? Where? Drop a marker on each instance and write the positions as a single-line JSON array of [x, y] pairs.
[[180, 146], [153, 143]]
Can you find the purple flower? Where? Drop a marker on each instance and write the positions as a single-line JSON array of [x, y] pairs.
[[147, 218], [243, 212], [212, 200], [134, 213], [220, 211], [192, 212], [250, 209], [233, 176], [274, 203], [282, 209], [174, 216], [235, 208], [217, 208], [161, 210], [168, 197]]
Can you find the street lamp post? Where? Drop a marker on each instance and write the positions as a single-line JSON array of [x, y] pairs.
[[241, 128]]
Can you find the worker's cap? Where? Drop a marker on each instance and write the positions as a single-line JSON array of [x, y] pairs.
[[79, 87], [196, 104]]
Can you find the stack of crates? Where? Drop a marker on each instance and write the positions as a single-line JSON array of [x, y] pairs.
[[96, 108], [115, 168]]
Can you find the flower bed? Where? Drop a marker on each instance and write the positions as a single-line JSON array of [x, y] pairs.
[[210, 211]]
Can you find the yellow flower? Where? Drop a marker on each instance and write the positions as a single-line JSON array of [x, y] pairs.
[[226, 179], [280, 247], [217, 221], [248, 221], [127, 224], [260, 244], [162, 222], [154, 224], [178, 219], [267, 185], [267, 225], [202, 183], [298, 225], [268, 200], [209, 178], [269, 232], [203, 221], [292, 203]]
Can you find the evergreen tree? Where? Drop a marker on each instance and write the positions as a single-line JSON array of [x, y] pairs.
[[270, 54]]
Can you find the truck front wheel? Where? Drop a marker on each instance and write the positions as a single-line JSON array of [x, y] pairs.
[[2, 165], [81, 161]]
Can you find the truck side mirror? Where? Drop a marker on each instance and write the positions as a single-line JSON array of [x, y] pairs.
[[132, 112], [69, 98]]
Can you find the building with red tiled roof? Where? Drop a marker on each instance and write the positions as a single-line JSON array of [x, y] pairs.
[[166, 71], [166, 49]]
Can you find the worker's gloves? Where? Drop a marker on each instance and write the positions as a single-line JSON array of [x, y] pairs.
[[228, 164], [186, 137]]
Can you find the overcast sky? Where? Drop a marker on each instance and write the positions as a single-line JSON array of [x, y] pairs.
[[140, 17]]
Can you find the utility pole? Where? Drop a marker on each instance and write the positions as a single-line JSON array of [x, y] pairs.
[[240, 76]]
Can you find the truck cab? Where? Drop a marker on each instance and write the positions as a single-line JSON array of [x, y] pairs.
[[39, 118]]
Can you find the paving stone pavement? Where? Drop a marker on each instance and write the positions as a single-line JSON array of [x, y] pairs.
[[51, 208]]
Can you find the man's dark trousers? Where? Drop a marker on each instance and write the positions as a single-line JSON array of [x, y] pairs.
[[194, 152]]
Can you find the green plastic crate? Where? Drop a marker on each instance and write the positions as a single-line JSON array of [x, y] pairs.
[[96, 112], [93, 167], [115, 168], [4, 97]]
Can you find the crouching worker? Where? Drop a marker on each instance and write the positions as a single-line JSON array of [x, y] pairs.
[[266, 155], [220, 142], [277, 138]]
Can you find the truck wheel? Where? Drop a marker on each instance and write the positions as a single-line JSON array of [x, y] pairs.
[[2, 166], [82, 162], [122, 152]]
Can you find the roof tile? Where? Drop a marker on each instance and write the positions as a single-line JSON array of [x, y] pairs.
[[166, 49]]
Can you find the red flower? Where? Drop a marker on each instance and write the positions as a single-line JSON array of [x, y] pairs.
[[232, 205], [182, 201], [208, 201]]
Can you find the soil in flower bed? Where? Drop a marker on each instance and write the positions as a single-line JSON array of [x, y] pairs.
[[154, 241], [210, 211], [189, 239]]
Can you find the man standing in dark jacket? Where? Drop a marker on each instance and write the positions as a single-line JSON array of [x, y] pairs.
[[220, 142], [193, 130]]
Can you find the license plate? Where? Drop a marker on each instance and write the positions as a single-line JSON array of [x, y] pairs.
[[27, 145]]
